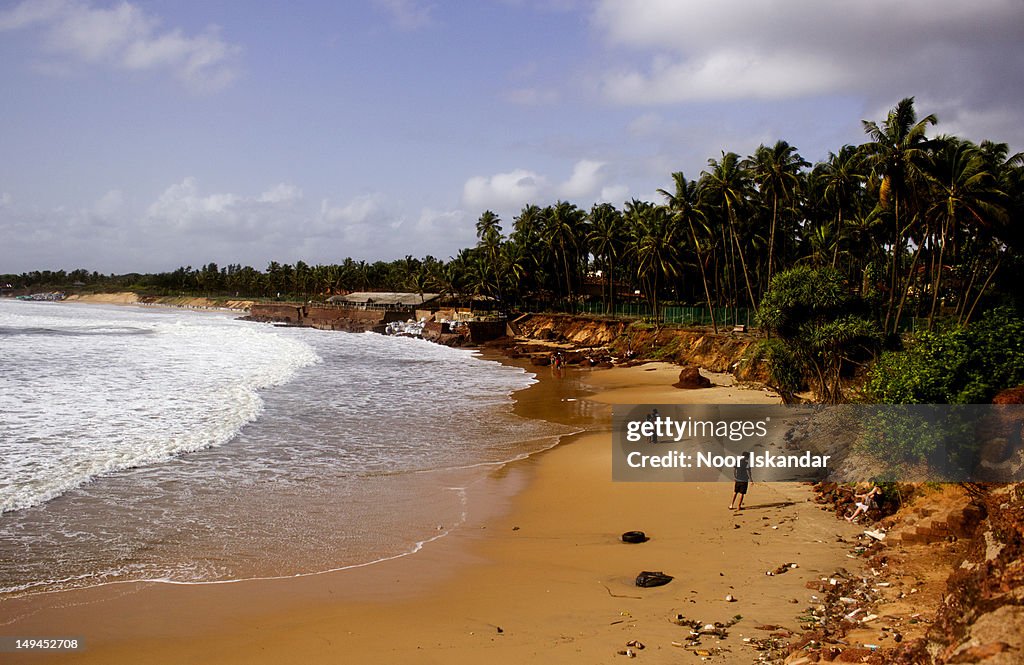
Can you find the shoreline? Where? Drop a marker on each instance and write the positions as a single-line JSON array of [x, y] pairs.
[[542, 566], [130, 298], [441, 486]]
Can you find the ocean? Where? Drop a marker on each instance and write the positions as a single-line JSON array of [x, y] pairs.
[[190, 447]]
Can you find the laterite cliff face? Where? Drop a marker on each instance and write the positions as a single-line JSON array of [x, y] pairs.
[[724, 352], [325, 318]]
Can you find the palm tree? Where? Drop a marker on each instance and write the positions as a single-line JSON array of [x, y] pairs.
[[517, 264], [655, 248], [606, 242], [488, 231], [565, 233], [965, 193], [685, 206], [526, 234], [726, 185], [776, 171], [897, 154], [843, 178]]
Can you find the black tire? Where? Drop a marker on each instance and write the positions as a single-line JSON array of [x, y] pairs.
[[634, 537], [650, 578]]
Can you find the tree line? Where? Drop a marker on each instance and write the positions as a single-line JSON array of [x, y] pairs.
[[917, 225]]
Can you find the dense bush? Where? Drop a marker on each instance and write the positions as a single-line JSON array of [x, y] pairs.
[[958, 365], [820, 324]]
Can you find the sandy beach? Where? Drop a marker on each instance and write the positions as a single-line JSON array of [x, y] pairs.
[[538, 572]]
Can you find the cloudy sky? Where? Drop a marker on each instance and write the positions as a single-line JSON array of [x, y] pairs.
[[146, 134]]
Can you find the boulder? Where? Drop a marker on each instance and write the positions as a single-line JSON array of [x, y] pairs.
[[690, 378]]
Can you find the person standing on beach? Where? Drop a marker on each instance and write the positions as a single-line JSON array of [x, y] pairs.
[[741, 479], [652, 417]]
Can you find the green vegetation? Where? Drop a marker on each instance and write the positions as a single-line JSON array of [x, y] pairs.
[[820, 326], [956, 365], [904, 232]]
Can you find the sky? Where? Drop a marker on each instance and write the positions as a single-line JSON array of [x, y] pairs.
[[144, 135]]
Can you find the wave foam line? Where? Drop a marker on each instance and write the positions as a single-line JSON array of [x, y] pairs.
[[416, 547]]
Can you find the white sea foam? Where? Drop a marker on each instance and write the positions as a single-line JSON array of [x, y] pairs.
[[341, 450], [87, 391]]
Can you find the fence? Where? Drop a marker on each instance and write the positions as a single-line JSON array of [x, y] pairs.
[[724, 316]]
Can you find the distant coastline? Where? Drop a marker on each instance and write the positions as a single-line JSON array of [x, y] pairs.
[[186, 302]]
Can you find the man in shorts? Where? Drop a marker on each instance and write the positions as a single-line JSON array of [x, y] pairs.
[[741, 477]]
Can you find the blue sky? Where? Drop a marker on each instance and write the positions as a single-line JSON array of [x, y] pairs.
[[144, 135]]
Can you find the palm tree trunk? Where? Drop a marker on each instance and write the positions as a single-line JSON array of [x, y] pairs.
[[703, 277], [771, 238], [938, 277], [906, 291], [839, 231], [896, 250], [743, 263], [981, 291], [611, 286], [568, 283]]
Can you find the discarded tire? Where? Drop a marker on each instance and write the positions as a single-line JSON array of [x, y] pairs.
[[651, 578], [634, 537]]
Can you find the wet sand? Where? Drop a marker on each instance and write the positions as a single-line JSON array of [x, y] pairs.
[[539, 574]]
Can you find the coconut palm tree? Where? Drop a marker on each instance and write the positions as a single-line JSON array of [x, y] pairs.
[[842, 177], [606, 241], [964, 194], [488, 232], [488, 229], [655, 248], [685, 206], [517, 264], [897, 155], [726, 186], [565, 234], [776, 171]]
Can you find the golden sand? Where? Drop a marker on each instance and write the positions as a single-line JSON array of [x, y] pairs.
[[547, 579]]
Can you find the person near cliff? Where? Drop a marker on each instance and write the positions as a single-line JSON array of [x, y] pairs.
[[863, 501]]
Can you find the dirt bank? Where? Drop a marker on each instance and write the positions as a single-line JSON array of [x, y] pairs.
[[731, 352]]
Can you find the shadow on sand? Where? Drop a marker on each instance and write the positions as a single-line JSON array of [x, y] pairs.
[[761, 506]]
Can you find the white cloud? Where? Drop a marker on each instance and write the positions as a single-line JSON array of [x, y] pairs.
[[440, 233], [126, 37], [586, 179], [614, 194], [93, 34], [182, 207], [977, 124], [503, 191], [442, 221], [30, 13], [359, 210], [735, 49], [725, 75], [280, 193], [110, 204], [187, 224], [507, 193]]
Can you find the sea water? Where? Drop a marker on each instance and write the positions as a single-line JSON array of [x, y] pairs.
[[190, 447]]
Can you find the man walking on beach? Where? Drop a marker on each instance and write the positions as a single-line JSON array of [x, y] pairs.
[[741, 478]]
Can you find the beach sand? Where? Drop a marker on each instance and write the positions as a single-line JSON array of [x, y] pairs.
[[543, 576]]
